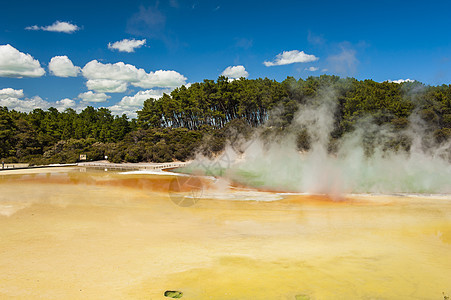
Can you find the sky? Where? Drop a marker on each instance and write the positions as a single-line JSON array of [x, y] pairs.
[[117, 54]]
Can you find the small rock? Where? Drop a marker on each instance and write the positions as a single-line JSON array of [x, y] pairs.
[[173, 294]]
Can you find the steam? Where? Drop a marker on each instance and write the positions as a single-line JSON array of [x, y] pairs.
[[360, 163]]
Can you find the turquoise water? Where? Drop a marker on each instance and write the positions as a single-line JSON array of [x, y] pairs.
[[317, 172]]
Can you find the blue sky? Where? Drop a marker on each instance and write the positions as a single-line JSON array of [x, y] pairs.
[[194, 40]]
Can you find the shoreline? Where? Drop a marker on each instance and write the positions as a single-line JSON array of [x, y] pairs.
[[165, 169], [102, 164]]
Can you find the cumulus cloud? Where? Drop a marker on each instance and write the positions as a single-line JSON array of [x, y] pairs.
[[311, 69], [58, 26], [119, 75], [130, 104], [345, 62], [10, 93], [401, 80], [11, 98], [14, 63], [25, 105], [62, 104], [235, 72], [138, 99], [126, 45], [90, 96], [291, 57], [106, 85], [66, 103], [161, 78], [117, 71], [62, 66]]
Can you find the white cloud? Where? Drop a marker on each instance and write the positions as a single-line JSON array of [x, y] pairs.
[[311, 69], [125, 73], [90, 96], [62, 104], [14, 63], [34, 27], [10, 93], [127, 45], [235, 72], [130, 104], [117, 71], [138, 99], [291, 57], [58, 26], [62, 66], [28, 104], [401, 80], [106, 85], [65, 103], [10, 98], [161, 78]]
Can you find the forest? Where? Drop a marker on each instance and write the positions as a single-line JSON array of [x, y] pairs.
[[206, 115]]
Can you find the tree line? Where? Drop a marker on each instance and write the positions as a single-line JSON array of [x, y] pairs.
[[202, 115]]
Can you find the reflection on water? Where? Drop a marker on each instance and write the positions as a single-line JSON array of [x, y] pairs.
[[104, 235]]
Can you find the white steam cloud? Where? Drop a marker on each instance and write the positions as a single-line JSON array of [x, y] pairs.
[[352, 168], [344, 62]]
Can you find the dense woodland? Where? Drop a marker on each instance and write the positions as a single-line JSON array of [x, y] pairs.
[[205, 115]]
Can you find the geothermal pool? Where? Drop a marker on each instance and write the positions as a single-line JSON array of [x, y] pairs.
[[68, 234]]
